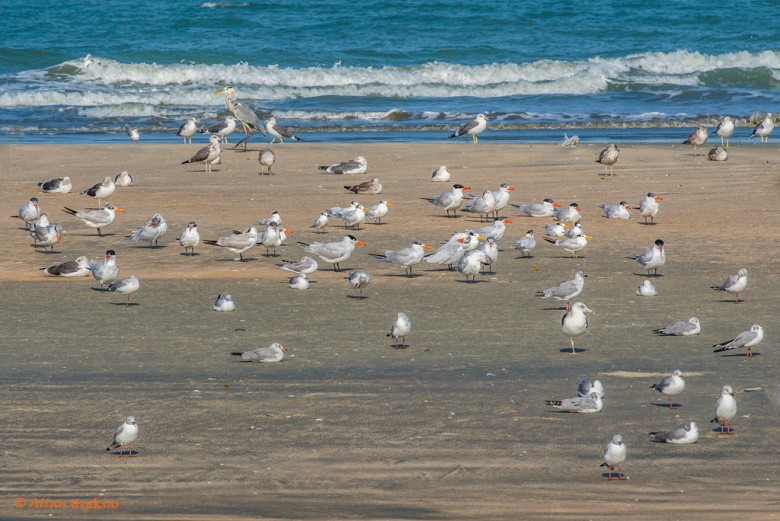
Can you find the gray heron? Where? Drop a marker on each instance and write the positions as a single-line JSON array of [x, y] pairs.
[[250, 123]]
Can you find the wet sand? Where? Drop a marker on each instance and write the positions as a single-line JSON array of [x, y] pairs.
[[453, 427]]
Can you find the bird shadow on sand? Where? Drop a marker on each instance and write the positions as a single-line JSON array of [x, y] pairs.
[[667, 406], [614, 475], [246, 259], [720, 430], [577, 350], [739, 355], [357, 297], [189, 254], [732, 301], [403, 275], [47, 252], [130, 305], [148, 247], [124, 454], [647, 224], [462, 281], [99, 290], [377, 224], [648, 275], [562, 308], [399, 346]]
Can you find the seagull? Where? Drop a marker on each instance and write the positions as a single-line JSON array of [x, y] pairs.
[[222, 129], [266, 158], [105, 271], [584, 404], [724, 130], [718, 154], [472, 128], [101, 190], [151, 231], [97, 219], [449, 200], [123, 179], [305, 266], [648, 207], [575, 322], [652, 258], [685, 435], [277, 131], [495, 230], [188, 129], [689, 327], [646, 289], [272, 353], [490, 249], [556, 230], [697, 138], [40, 222], [353, 215], [763, 129], [132, 132], [47, 236], [569, 214], [320, 222], [224, 303], [502, 196], [73, 268], [377, 211], [590, 386], [29, 211], [735, 283], [126, 286], [58, 185], [208, 154], [566, 290], [544, 209], [359, 165], [298, 282], [401, 327], [333, 252], [272, 237], [441, 175], [747, 339], [471, 264], [572, 141], [237, 243], [372, 187], [571, 245], [190, 237], [622, 210], [405, 257], [125, 435], [608, 157], [671, 386], [275, 217], [614, 455], [483, 205], [725, 409], [526, 243], [359, 280]]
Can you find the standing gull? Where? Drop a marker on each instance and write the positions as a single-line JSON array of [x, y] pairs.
[[125, 435], [320, 222], [689, 327], [685, 435], [734, 283], [565, 290], [725, 409], [250, 123], [237, 243], [266, 158], [401, 327], [697, 138], [188, 129], [208, 154], [126, 286], [484, 205], [154, 228], [224, 303], [102, 190], [223, 129], [353, 215], [648, 207], [449, 200], [190, 237], [278, 131], [47, 236], [73, 268], [471, 263], [472, 128], [614, 455], [359, 165], [333, 252], [359, 280], [377, 211], [724, 130], [671, 386], [575, 322], [747, 339], [97, 219], [59, 185], [502, 196], [272, 353], [571, 245], [763, 129], [608, 157]]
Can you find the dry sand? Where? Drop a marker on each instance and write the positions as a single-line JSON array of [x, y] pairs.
[[455, 426]]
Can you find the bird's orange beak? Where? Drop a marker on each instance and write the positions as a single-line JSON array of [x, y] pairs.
[[461, 240], [466, 188], [511, 188], [119, 210], [287, 230], [588, 237], [360, 243], [578, 208], [566, 227], [506, 221], [389, 204], [426, 247], [658, 198], [628, 207], [556, 205], [58, 238]]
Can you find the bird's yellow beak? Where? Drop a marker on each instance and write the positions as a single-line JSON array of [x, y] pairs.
[[220, 91], [588, 237]]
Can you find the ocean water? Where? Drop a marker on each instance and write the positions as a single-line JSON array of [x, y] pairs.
[[387, 71]]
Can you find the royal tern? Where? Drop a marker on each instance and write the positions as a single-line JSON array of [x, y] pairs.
[[584, 404], [566, 290], [502, 196], [278, 131], [614, 455], [126, 286], [724, 130], [653, 257], [622, 210], [58, 185], [689, 327], [441, 175], [305, 266], [353, 215], [490, 249], [320, 222], [188, 129], [47, 236], [684, 435], [400, 328], [224, 303], [586, 387], [556, 230], [298, 282], [569, 214], [747, 339], [125, 435], [405, 257], [734, 283], [574, 231], [207, 155], [72, 268], [575, 322], [544, 209], [697, 138], [608, 157], [372, 187], [526, 243], [359, 165], [471, 263], [472, 128], [449, 253], [333, 252], [646, 289], [272, 353], [237, 243], [495, 230], [190, 237], [272, 237], [718, 154], [154, 228], [97, 219], [105, 271], [222, 129], [571, 245], [671, 386], [725, 409], [449, 200], [763, 129], [648, 207], [123, 179], [102, 190], [483, 205], [377, 211], [359, 280], [132, 133], [266, 158]]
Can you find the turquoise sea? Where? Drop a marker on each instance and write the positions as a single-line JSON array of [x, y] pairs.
[[387, 71]]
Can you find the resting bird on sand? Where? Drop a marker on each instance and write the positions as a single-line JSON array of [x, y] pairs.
[[372, 187]]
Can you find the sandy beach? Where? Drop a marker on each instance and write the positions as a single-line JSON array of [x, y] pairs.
[[453, 427]]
